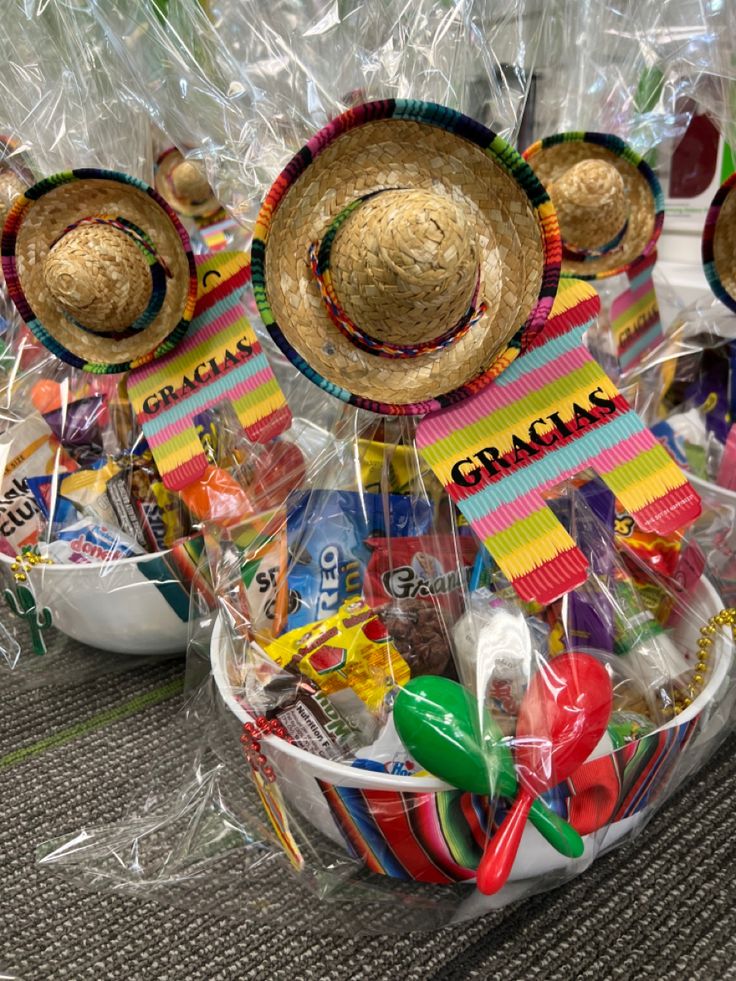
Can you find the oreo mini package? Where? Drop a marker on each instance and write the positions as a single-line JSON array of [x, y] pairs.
[[328, 532]]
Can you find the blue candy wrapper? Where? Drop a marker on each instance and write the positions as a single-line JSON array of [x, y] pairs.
[[58, 511], [328, 555]]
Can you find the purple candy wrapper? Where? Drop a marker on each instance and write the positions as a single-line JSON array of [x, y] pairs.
[[77, 427], [590, 618]]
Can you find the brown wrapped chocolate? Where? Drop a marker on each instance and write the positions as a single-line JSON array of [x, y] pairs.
[[311, 720], [419, 634]]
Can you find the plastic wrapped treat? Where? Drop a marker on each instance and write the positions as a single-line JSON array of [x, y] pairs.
[[382, 781], [611, 209], [121, 457], [96, 551], [684, 389], [473, 645], [511, 688]]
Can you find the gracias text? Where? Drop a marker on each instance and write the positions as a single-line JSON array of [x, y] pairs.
[[202, 375], [490, 461]]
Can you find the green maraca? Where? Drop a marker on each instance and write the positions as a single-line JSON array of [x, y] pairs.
[[437, 720]]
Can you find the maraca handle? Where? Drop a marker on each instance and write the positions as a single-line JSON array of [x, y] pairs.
[[558, 832], [495, 866]]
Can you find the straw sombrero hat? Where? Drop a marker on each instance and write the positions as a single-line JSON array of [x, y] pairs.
[[99, 268], [719, 244], [184, 187], [609, 203], [15, 175], [403, 256]]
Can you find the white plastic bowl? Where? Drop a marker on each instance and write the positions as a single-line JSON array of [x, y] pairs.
[[298, 771], [111, 606], [713, 493]]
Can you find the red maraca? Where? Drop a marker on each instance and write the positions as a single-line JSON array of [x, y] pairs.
[[279, 469], [562, 718]]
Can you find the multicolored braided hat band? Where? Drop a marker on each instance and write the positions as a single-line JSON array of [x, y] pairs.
[[405, 256], [604, 191], [100, 269], [719, 244]]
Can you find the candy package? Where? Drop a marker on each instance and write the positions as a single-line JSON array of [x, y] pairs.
[[29, 449], [86, 542], [330, 535]]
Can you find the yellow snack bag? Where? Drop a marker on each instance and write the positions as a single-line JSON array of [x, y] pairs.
[[350, 649], [407, 472]]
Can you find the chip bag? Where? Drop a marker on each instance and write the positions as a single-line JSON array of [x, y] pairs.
[[32, 451]]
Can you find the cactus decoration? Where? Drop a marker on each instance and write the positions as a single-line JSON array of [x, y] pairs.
[[23, 603]]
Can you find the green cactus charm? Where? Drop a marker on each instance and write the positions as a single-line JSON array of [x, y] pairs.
[[22, 602]]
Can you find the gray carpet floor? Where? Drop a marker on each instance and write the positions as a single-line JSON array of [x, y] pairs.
[[74, 757]]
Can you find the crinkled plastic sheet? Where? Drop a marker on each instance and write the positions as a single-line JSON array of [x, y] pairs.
[[197, 835], [59, 92], [87, 580], [208, 832], [683, 390], [62, 108], [71, 108], [629, 68], [59, 108], [697, 37], [244, 89]]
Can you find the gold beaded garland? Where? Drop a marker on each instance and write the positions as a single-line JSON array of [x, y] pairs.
[[726, 618], [25, 561]]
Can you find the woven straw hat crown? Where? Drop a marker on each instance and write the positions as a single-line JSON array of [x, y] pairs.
[[189, 183], [99, 277], [404, 266], [183, 184], [590, 199], [609, 203], [719, 243], [403, 256], [99, 268]]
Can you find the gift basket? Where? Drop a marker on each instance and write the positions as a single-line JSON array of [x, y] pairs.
[[684, 388], [95, 549], [464, 641], [609, 126]]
